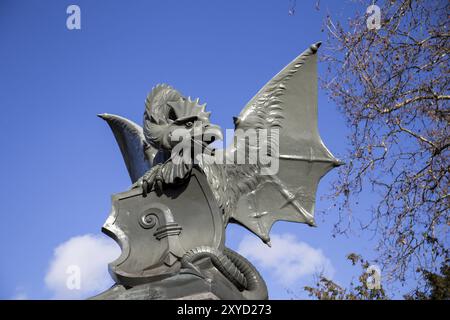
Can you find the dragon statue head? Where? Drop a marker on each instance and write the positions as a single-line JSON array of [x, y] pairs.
[[169, 116]]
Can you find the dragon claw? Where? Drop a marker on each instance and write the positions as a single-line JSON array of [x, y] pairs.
[[144, 188], [151, 179]]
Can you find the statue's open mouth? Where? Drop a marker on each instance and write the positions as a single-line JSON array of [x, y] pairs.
[[212, 133], [209, 134]]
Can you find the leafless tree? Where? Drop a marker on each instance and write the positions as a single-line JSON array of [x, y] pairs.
[[327, 289], [392, 86]]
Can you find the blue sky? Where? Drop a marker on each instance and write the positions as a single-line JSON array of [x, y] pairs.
[[60, 163]]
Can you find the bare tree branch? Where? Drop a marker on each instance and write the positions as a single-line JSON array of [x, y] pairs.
[[392, 86]]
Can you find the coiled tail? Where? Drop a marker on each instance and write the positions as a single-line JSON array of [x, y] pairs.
[[234, 267]]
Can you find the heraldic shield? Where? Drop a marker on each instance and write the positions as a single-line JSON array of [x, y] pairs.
[[155, 231]]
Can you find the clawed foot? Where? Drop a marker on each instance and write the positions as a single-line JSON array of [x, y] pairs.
[[151, 179]]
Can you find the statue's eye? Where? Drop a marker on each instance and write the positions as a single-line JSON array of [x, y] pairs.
[[189, 124]]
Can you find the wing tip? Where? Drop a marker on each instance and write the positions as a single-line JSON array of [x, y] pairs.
[[315, 46], [103, 116]]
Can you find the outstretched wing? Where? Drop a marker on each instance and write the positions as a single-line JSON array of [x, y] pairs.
[[287, 103], [137, 154]]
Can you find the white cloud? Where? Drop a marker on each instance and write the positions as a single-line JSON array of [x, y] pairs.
[[20, 294], [79, 267], [288, 260]]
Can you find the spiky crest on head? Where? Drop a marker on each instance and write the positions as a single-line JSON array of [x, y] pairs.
[[163, 106], [183, 108]]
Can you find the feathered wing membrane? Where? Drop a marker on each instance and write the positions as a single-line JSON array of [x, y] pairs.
[[287, 103], [131, 141]]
